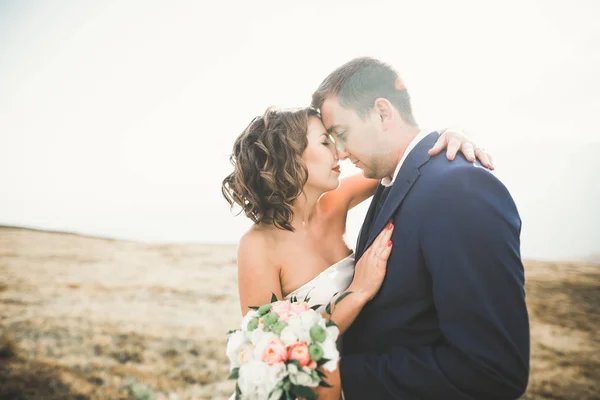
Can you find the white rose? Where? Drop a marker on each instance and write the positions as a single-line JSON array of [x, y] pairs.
[[257, 379], [301, 376], [309, 318], [250, 380], [275, 374], [333, 332], [288, 337], [256, 335], [297, 326], [331, 353], [234, 344]]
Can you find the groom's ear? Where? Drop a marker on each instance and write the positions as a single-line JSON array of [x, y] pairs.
[[384, 110]]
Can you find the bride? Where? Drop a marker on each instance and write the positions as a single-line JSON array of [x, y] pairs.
[[286, 180]]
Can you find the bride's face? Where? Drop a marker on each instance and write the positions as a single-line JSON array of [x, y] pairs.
[[320, 158]]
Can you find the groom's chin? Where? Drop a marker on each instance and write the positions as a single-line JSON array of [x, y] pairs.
[[369, 174]]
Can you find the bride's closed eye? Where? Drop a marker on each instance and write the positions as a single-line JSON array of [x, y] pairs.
[[326, 140]]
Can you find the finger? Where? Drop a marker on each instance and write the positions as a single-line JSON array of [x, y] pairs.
[[489, 156], [483, 158], [384, 240], [383, 236], [453, 146], [468, 150], [440, 145], [384, 253]]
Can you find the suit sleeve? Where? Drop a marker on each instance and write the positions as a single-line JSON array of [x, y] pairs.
[[470, 245]]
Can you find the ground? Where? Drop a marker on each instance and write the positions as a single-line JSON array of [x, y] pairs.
[[89, 318]]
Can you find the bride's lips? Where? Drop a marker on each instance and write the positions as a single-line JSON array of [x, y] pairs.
[[336, 169]]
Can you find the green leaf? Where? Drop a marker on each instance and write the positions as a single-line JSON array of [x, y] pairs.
[[325, 384], [342, 297], [316, 306], [296, 362], [235, 373], [322, 361], [273, 298], [238, 392], [305, 392], [330, 323], [253, 307], [306, 298], [229, 332], [328, 309]]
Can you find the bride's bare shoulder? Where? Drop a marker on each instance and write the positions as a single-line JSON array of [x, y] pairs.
[[258, 270], [255, 245]]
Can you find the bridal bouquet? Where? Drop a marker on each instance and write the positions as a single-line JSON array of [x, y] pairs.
[[277, 353]]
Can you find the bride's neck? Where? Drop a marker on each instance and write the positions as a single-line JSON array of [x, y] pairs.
[[304, 210]]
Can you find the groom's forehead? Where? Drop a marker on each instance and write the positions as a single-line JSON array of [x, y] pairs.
[[332, 114]]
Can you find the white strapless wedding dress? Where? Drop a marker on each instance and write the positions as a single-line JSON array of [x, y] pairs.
[[324, 286], [321, 289]]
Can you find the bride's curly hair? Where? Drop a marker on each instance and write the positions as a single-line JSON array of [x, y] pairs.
[[269, 172]]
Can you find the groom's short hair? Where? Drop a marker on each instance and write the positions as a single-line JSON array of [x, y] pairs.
[[359, 82]]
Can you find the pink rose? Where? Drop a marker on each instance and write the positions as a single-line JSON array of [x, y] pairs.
[[299, 352], [280, 307], [275, 352], [285, 316], [261, 323], [299, 308]]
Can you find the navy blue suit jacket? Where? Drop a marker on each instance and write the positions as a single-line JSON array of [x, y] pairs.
[[450, 320]]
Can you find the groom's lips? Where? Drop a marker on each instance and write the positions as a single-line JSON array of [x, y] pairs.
[[336, 169]]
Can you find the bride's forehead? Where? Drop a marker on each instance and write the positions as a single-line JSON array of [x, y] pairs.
[[316, 127]]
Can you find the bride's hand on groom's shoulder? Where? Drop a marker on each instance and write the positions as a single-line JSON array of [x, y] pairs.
[[455, 140]]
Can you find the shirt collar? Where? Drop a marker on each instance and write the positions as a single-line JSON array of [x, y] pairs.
[[389, 180]]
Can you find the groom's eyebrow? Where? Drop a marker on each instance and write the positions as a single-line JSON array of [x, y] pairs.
[[333, 129]]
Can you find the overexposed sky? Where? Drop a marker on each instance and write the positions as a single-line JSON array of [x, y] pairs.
[[117, 118]]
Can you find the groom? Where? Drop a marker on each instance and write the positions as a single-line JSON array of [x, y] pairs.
[[450, 320]]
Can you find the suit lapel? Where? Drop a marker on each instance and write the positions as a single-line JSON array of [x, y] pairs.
[[407, 176], [368, 222]]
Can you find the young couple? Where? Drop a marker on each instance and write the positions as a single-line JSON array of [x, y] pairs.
[[436, 305]]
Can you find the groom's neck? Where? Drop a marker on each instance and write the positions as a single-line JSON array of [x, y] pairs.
[[405, 134]]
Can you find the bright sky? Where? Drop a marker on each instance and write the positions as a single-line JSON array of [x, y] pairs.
[[117, 118]]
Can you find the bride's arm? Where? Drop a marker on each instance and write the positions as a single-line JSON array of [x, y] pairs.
[[258, 276]]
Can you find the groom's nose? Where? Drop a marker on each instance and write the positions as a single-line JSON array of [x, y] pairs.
[[342, 155]]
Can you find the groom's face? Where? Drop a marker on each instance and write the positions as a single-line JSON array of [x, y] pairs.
[[358, 139]]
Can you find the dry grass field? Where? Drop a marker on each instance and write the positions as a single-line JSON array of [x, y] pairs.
[[89, 318]]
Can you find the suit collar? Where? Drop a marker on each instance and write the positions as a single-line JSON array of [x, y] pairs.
[[406, 178]]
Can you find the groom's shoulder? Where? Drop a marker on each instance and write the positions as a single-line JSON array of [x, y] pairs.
[[441, 168], [471, 176]]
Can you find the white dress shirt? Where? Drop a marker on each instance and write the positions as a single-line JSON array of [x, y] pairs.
[[389, 180]]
